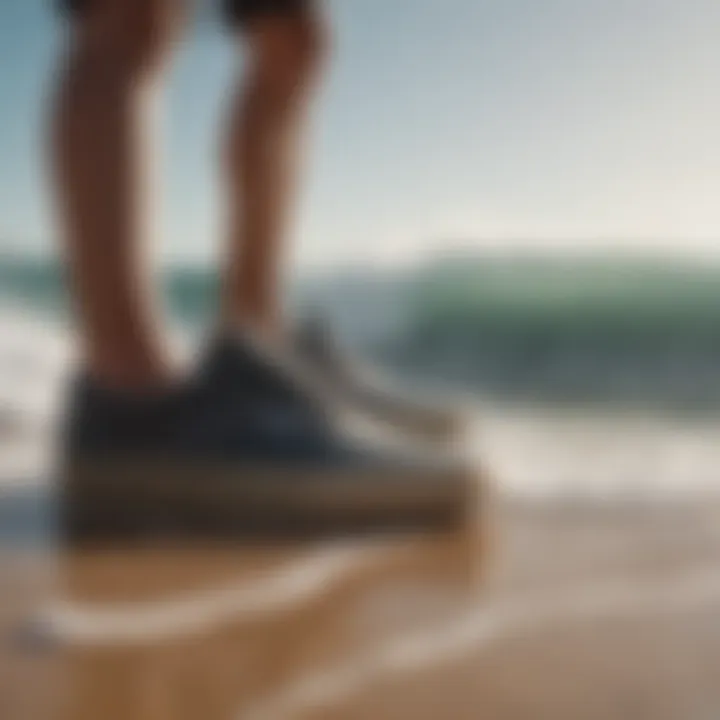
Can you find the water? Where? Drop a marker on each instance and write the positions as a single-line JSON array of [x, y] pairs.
[[603, 331]]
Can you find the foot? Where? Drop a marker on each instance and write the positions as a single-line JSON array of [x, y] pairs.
[[362, 389], [245, 450]]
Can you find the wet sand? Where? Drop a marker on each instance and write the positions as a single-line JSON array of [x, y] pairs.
[[584, 610]]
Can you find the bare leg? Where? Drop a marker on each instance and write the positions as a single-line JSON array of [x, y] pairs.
[[101, 145], [266, 127]]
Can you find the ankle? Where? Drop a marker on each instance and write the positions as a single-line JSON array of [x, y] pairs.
[[133, 376], [269, 331]]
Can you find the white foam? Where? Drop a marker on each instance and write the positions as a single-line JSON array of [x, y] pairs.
[[35, 356], [543, 453], [151, 622]]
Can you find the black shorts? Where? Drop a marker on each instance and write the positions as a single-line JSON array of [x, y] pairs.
[[234, 11]]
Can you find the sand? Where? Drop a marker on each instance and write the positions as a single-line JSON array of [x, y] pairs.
[[583, 610]]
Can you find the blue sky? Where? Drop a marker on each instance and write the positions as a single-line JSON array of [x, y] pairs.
[[444, 123]]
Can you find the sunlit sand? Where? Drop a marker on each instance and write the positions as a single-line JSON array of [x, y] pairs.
[[580, 613]]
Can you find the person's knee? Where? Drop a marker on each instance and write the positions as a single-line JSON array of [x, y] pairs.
[[135, 36], [289, 53]]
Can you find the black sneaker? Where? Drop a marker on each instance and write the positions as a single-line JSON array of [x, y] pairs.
[[246, 450], [363, 389]]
